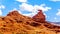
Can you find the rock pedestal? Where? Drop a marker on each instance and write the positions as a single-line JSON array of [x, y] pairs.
[[39, 17]]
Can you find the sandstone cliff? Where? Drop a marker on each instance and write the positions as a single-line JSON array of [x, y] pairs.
[[15, 23], [39, 17]]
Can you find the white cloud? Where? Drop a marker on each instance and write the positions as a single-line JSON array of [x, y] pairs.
[[55, 18], [42, 7], [0, 12], [30, 14], [2, 6], [33, 9], [16, 9], [27, 7], [21, 0], [54, 0], [58, 13]]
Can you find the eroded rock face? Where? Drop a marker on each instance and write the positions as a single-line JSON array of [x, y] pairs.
[[17, 23], [15, 13], [39, 17]]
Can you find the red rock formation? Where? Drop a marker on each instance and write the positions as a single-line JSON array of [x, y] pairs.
[[39, 17], [15, 22], [15, 13], [20, 18]]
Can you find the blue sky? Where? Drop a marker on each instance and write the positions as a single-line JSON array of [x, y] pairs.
[[51, 8]]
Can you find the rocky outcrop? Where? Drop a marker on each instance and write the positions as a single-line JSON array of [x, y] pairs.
[[39, 17], [15, 23], [13, 13]]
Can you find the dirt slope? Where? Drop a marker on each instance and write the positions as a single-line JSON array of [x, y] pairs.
[[15, 23]]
